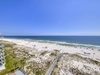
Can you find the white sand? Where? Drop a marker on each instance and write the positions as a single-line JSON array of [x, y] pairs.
[[94, 54]]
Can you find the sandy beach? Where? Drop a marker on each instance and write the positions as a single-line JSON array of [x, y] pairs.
[[83, 51]]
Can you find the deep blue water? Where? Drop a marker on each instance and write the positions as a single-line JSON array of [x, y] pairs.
[[93, 40]]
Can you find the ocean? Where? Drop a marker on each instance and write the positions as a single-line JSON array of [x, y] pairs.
[[87, 40]]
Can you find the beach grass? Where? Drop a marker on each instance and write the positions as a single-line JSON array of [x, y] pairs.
[[89, 60], [11, 63], [43, 53]]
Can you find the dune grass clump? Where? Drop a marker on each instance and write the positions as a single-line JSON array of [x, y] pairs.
[[53, 54], [43, 53]]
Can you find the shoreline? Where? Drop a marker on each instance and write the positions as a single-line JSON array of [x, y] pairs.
[[92, 53], [59, 43]]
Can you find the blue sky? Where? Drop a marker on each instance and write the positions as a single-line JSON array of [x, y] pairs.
[[50, 17]]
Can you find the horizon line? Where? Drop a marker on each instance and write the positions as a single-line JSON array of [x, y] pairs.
[[50, 35]]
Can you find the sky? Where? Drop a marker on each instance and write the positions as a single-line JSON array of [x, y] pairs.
[[50, 17]]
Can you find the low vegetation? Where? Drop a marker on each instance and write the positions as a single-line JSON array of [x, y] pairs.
[[11, 62], [53, 54], [88, 60], [43, 53], [21, 56]]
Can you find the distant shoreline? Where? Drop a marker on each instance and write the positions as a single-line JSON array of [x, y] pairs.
[[57, 42]]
